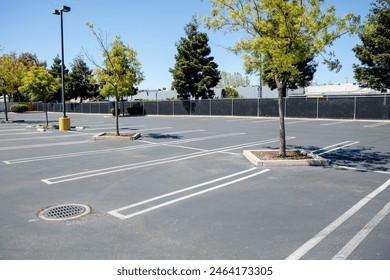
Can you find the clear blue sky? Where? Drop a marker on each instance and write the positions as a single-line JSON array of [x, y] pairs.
[[151, 27]]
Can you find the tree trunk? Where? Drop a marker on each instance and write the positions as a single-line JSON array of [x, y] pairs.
[[5, 107], [46, 115], [116, 114], [282, 129]]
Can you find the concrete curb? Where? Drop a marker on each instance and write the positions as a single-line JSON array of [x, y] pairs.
[[314, 161], [102, 136]]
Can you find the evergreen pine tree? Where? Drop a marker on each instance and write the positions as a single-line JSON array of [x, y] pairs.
[[55, 71], [374, 53], [195, 72], [81, 82]]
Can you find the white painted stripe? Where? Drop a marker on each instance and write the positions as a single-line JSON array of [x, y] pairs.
[[45, 136], [182, 132], [183, 190], [375, 124], [334, 145], [22, 133], [83, 123], [362, 234], [184, 147], [149, 144], [335, 123], [11, 130], [361, 169], [116, 214], [296, 122], [114, 169], [155, 128], [338, 148], [264, 121], [301, 251], [236, 120], [43, 145], [123, 129]]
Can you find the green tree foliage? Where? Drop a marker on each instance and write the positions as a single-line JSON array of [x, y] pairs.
[[55, 71], [374, 53], [234, 80], [306, 69], [120, 71], [11, 73], [39, 85], [195, 72], [29, 60], [81, 82], [229, 93], [280, 35]]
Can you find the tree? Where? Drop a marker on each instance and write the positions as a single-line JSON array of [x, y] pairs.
[[229, 93], [11, 73], [234, 80], [281, 34], [27, 60], [374, 53], [120, 71], [81, 82], [39, 85], [55, 71], [195, 72], [306, 69]]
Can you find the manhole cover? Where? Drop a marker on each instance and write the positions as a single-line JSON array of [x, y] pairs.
[[64, 212]]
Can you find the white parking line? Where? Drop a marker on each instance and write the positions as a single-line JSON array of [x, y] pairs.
[[236, 120], [337, 146], [301, 251], [362, 234], [12, 129], [43, 145], [335, 123], [376, 124], [41, 137], [361, 169], [265, 121], [170, 202], [182, 132], [128, 128], [23, 133], [296, 122], [126, 167], [148, 145]]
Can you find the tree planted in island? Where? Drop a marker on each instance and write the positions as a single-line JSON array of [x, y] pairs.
[[11, 73], [39, 85], [119, 72], [279, 36]]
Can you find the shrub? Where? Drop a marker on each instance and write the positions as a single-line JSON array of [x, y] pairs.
[[134, 110], [112, 111], [19, 108]]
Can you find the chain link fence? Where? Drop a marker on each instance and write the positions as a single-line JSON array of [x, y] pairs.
[[355, 107]]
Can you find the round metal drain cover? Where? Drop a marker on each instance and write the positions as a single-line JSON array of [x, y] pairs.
[[64, 212]]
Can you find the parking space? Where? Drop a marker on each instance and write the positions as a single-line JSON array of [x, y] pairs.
[[184, 191]]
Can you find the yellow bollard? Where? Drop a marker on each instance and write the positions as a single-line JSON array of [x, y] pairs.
[[64, 123]]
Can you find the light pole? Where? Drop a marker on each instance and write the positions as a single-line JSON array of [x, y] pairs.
[[64, 121]]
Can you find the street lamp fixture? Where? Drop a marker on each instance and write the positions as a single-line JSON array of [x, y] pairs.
[[59, 12]]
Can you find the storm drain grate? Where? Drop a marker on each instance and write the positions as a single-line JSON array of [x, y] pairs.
[[64, 212]]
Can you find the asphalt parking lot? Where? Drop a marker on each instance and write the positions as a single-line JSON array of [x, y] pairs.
[[184, 190]]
